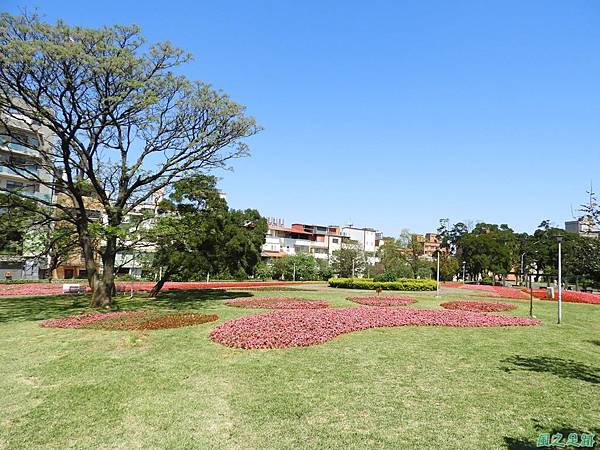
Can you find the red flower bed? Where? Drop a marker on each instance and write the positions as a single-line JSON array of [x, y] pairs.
[[130, 320], [30, 289], [570, 296], [138, 286], [478, 306], [497, 291], [277, 303], [374, 300], [282, 329], [83, 320], [452, 284]]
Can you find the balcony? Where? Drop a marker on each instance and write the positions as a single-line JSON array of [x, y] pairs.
[[30, 169], [19, 148]]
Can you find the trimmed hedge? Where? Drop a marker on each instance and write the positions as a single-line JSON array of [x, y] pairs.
[[403, 284]]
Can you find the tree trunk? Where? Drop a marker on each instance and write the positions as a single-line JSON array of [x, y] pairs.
[[106, 282], [100, 283], [160, 283], [101, 293]]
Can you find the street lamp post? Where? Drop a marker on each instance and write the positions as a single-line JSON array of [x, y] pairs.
[[559, 240]]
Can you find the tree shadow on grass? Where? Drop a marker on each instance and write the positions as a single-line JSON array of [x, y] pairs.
[[595, 342], [22, 309], [561, 367], [521, 443]]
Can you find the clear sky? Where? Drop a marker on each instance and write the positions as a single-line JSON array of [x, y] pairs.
[[393, 114]]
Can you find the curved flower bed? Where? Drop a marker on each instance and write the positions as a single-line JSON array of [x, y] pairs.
[[277, 303], [26, 289], [569, 296], [497, 291], [452, 284], [382, 301], [282, 329], [478, 306], [130, 320]]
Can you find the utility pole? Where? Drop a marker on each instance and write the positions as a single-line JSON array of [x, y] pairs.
[[438, 275], [530, 295], [559, 240]]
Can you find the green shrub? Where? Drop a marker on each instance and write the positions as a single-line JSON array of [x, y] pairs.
[[403, 284], [386, 276]]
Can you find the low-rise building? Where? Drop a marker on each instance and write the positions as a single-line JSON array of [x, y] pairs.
[[584, 226], [319, 241], [431, 244]]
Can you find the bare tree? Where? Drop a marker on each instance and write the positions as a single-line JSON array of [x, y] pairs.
[[118, 125]]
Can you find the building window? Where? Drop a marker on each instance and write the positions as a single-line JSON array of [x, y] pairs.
[[16, 186], [335, 240]]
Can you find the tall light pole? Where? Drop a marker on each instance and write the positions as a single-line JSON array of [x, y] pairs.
[[559, 240], [438, 275]]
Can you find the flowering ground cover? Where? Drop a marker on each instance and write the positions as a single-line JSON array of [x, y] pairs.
[[30, 289], [452, 284], [130, 320], [413, 387], [496, 291], [284, 329], [277, 303], [376, 300], [27, 289], [478, 306], [569, 296]]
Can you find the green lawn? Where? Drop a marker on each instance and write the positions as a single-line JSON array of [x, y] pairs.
[[409, 387]]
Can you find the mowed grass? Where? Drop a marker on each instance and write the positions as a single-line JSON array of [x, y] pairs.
[[408, 387]]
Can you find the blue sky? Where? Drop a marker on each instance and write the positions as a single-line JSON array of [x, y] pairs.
[[394, 114]]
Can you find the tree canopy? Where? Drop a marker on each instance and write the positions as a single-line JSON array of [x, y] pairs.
[[197, 234], [117, 122]]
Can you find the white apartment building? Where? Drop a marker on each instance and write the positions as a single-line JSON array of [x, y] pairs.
[[317, 240], [20, 148], [369, 240]]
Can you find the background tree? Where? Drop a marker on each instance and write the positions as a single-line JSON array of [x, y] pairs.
[[197, 234], [124, 125], [451, 235], [348, 261], [449, 267], [412, 248], [238, 252], [490, 249], [300, 267]]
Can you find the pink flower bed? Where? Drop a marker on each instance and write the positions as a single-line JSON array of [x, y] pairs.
[[375, 300], [478, 306], [282, 329], [83, 320], [452, 284], [56, 288], [497, 291], [570, 296], [277, 303], [30, 289]]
